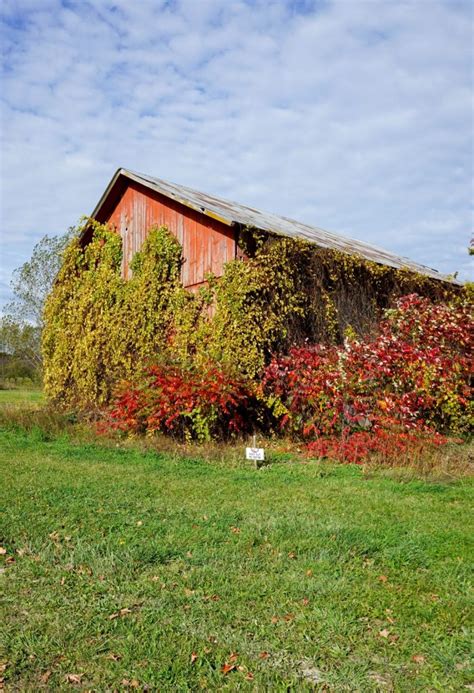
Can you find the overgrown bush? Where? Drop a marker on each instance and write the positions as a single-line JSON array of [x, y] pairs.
[[99, 329], [412, 380], [187, 403]]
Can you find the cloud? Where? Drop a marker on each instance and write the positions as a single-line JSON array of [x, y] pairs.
[[353, 116]]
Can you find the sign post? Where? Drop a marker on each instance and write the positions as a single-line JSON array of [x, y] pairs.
[[254, 453]]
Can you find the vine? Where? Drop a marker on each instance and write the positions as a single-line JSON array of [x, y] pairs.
[[100, 329]]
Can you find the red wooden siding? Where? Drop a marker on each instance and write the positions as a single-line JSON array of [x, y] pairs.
[[207, 243]]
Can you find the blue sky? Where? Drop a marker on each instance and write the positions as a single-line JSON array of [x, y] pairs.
[[353, 115]]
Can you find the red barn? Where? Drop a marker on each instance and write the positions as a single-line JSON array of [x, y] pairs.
[[208, 227]]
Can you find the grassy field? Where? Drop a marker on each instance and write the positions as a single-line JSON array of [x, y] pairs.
[[21, 396], [128, 569]]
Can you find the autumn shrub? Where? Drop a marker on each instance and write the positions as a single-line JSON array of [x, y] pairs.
[[409, 382], [189, 403], [383, 446]]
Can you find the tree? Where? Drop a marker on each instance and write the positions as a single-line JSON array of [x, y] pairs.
[[22, 323], [19, 340], [33, 281]]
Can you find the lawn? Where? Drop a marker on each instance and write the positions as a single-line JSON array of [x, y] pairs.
[[143, 570], [21, 396]]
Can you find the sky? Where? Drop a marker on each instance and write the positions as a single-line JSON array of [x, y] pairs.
[[352, 115]]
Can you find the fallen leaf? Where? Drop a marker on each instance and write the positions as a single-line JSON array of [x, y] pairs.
[[114, 657], [189, 554], [233, 656], [73, 678], [305, 601], [139, 523], [235, 530], [227, 667], [193, 657], [383, 578], [288, 617], [188, 592], [292, 554], [309, 573], [121, 612], [249, 676], [211, 597], [264, 655], [384, 633], [275, 619], [419, 659], [45, 677]]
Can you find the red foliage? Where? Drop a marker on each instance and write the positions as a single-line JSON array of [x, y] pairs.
[[413, 376], [358, 446], [182, 402], [391, 395]]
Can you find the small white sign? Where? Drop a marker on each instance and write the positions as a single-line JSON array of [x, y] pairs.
[[255, 453]]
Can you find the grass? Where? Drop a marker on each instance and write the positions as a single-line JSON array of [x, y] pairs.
[[21, 396], [132, 568]]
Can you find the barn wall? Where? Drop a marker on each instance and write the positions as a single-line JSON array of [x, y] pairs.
[[207, 243]]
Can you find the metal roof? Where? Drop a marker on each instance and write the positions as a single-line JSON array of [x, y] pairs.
[[232, 213]]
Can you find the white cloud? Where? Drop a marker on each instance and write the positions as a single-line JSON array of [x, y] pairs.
[[352, 115]]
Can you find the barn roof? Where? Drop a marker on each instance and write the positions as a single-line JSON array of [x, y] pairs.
[[234, 214]]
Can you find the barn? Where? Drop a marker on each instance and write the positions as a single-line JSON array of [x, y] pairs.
[[208, 227]]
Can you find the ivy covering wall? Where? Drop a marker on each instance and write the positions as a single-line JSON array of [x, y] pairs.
[[100, 329]]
